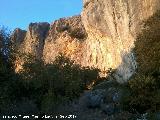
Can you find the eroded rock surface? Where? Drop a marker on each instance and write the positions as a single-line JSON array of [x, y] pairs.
[[35, 38], [102, 37], [66, 36], [18, 37], [29, 42], [112, 27]]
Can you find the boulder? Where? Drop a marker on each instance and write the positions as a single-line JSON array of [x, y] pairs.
[[95, 98], [109, 109]]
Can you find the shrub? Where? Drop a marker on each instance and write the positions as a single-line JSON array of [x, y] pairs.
[[144, 94], [145, 85], [9, 81], [51, 84], [77, 33], [147, 46]]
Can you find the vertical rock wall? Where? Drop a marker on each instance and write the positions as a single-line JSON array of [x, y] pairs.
[[66, 36], [102, 37], [112, 27], [35, 39]]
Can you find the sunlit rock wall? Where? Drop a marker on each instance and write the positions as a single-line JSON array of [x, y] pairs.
[[112, 27], [102, 37], [29, 42], [66, 36]]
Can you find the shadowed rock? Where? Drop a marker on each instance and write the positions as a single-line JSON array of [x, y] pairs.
[[17, 37]]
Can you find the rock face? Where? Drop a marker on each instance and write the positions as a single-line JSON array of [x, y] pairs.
[[102, 37], [18, 37], [66, 36], [112, 26], [35, 37], [30, 41]]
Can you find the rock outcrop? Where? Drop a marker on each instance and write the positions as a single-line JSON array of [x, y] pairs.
[[102, 37], [30, 41], [66, 36], [35, 38], [18, 37], [112, 26]]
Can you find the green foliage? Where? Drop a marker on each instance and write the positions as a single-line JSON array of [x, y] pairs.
[[147, 46], [51, 84], [7, 76], [4, 42], [77, 33], [74, 32], [45, 85], [144, 94], [145, 85]]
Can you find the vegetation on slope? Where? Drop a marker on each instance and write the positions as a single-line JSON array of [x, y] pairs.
[[39, 87], [145, 84]]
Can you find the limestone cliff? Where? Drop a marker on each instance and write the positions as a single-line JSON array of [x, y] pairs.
[[30, 41], [18, 37], [112, 26], [66, 36], [102, 37]]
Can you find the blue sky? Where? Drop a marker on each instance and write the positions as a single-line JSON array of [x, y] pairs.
[[19, 13]]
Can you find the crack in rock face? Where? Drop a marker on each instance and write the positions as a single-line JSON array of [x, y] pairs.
[[102, 36]]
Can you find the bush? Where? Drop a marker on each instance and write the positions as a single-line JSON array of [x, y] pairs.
[[147, 46], [145, 85], [77, 33], [52, 84], [8, 79], [145, 94]]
